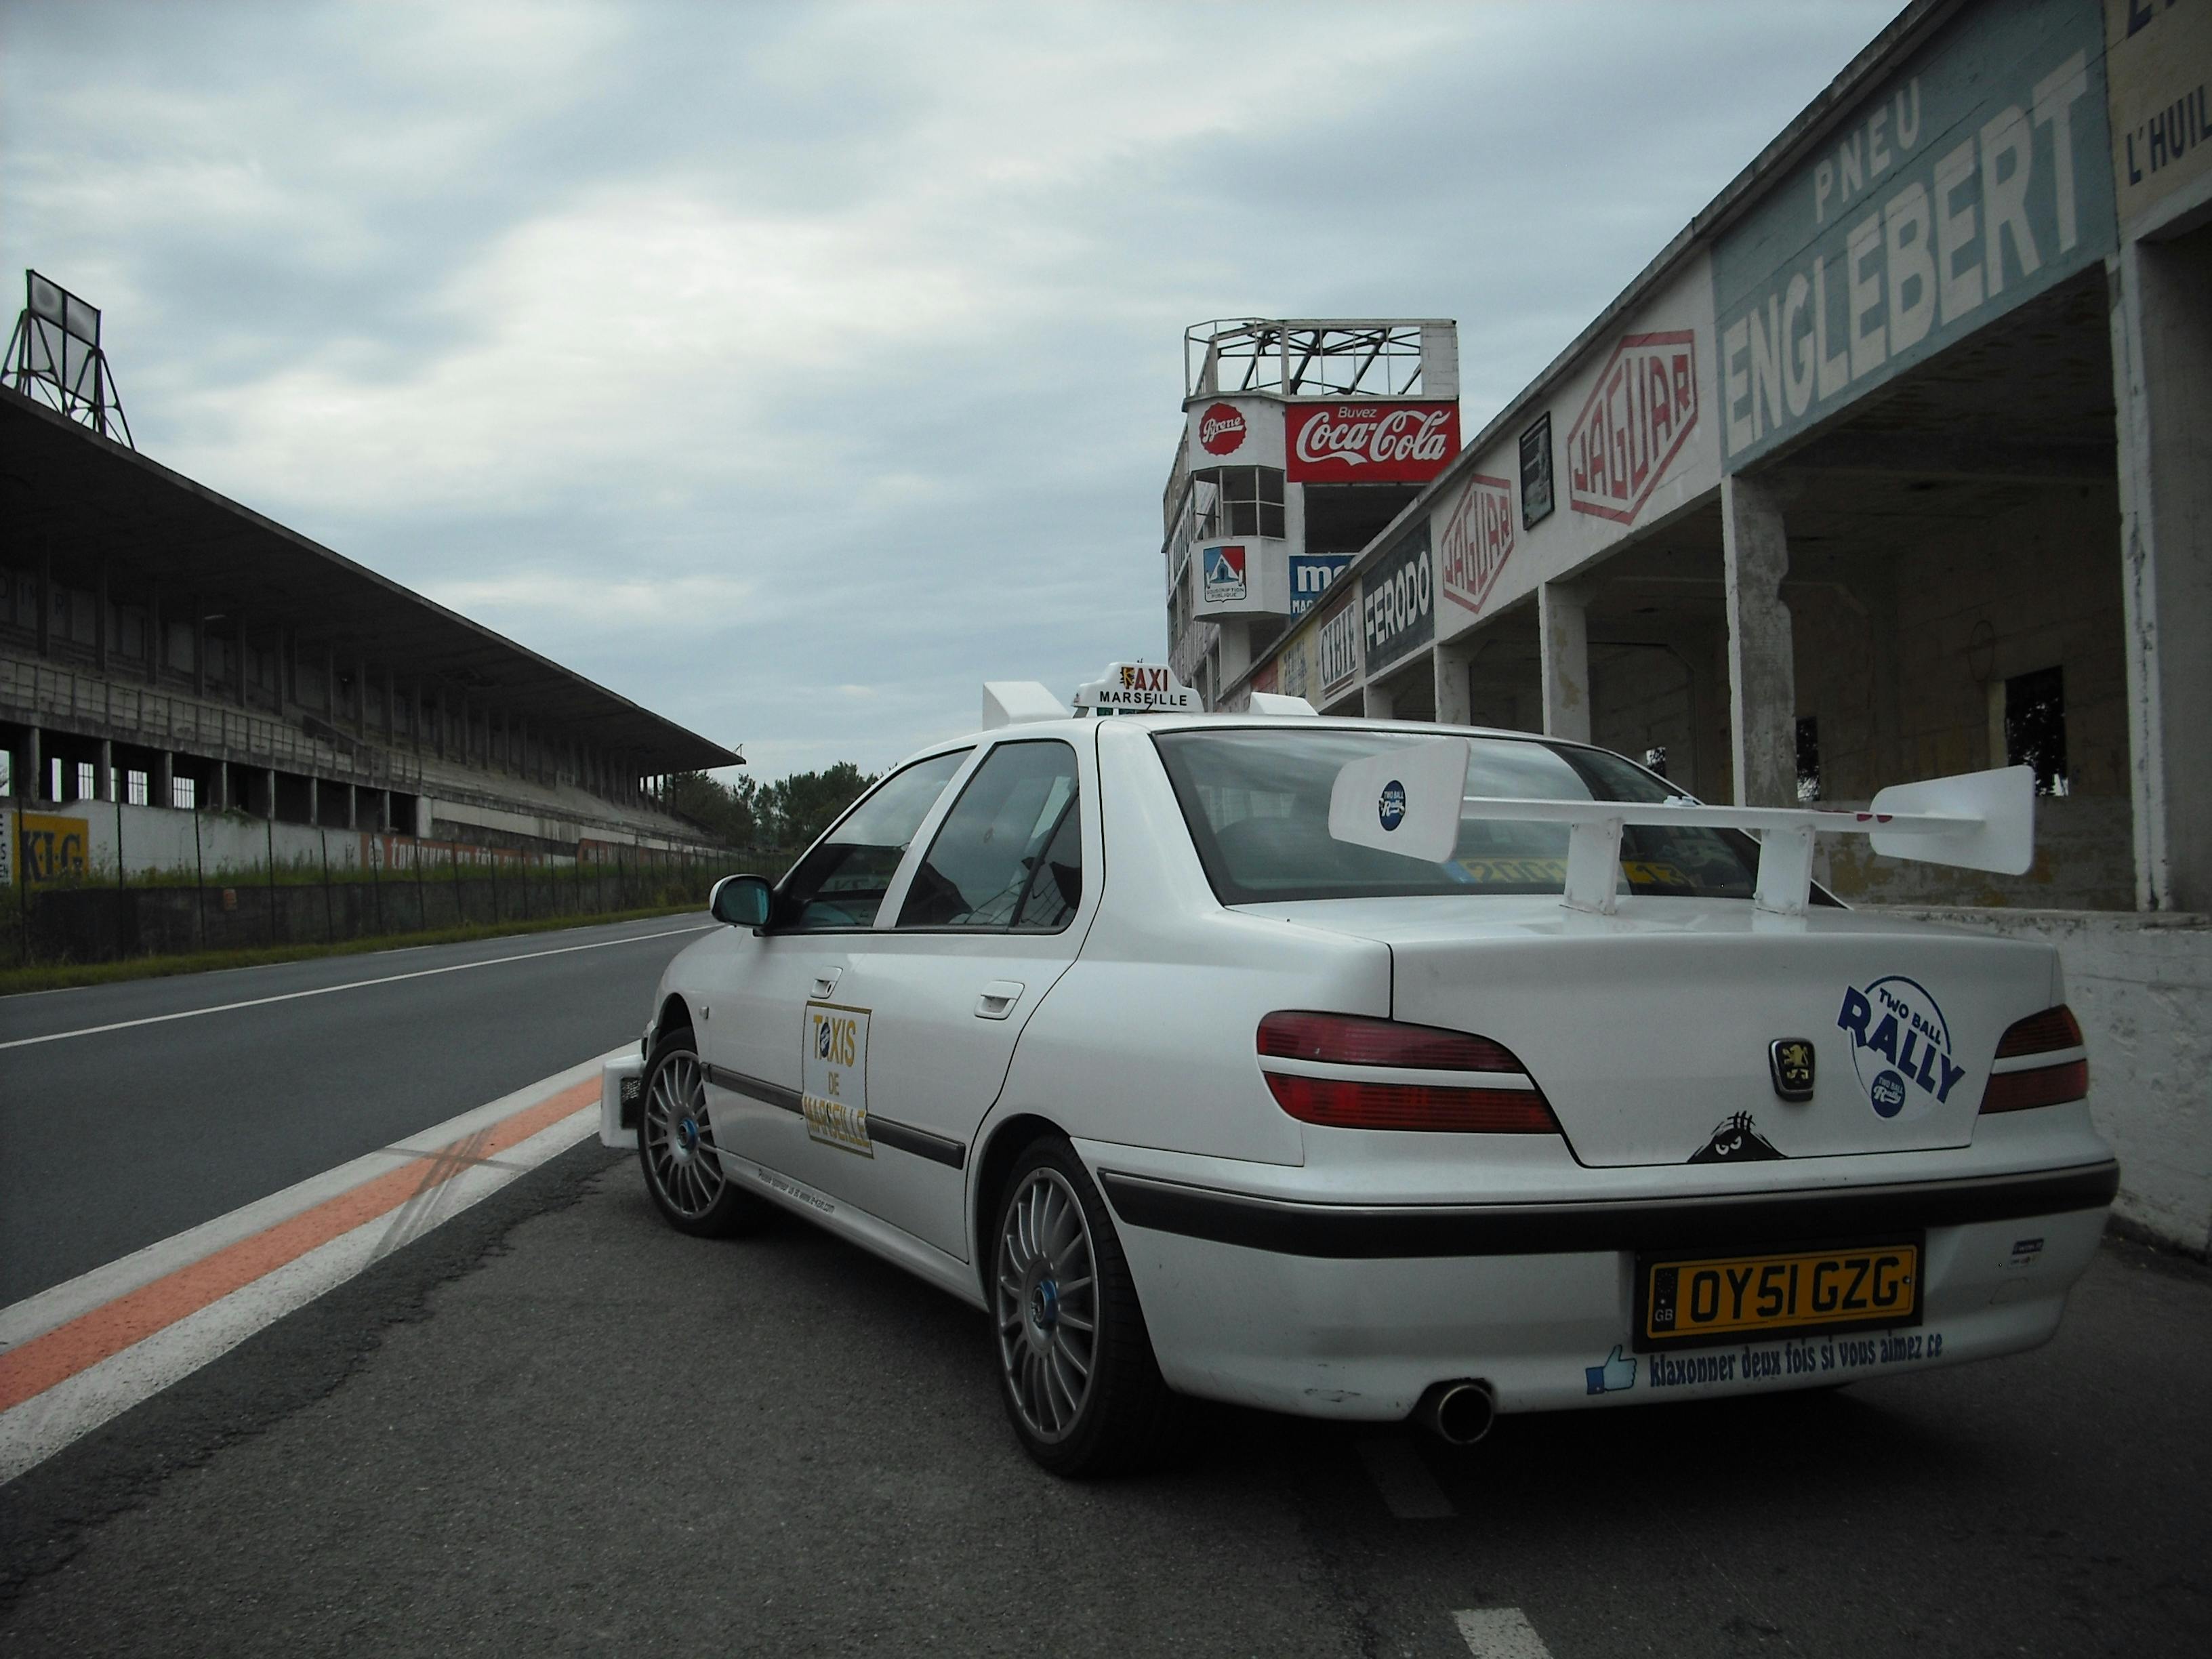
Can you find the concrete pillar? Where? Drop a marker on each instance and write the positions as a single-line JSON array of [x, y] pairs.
[[219, 795], [1563, 626], [1376, 702], [103, 782], [384, 811], [165, 779], [33, 784], [314, 804], [1236, 649], [1455, 698], [1762, 658], [2162, 367], [353, 806], [269, 798]]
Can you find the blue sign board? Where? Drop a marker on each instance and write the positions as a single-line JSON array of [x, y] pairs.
[[1310, 575], [1399, 600]]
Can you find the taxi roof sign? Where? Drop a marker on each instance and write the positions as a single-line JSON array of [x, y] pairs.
[[1139, 688]]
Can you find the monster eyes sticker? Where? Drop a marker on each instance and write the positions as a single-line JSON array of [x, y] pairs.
[[1735, 1141]]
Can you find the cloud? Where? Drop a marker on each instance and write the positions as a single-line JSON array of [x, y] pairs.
[[750, 358]]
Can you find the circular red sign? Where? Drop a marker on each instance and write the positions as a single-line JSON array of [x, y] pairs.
[[1221, 430]]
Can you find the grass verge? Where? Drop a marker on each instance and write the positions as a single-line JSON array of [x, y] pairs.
[[63, 975]]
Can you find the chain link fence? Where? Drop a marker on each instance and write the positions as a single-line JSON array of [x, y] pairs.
[[99, 917]]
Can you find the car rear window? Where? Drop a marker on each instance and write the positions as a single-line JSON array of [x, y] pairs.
[[1256, 801]]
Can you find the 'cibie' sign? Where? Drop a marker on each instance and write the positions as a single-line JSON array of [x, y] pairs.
[[1643, 407]]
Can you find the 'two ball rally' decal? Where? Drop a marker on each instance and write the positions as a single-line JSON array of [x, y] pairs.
[[1901, 1047]]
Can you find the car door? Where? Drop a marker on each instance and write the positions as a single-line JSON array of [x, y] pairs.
[[988, 919], [752, 1029]]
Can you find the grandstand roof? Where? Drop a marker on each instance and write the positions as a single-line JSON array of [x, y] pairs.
[[63, 486]]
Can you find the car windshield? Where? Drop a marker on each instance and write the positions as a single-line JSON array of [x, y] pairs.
[[1256, 801]]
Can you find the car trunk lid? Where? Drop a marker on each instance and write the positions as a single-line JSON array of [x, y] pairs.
[[1653, 1032]]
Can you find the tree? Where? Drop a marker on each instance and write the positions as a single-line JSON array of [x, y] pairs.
[[807, 802], [781, 817]]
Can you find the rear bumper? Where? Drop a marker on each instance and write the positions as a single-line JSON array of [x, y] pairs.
[[1354, 1232], [1352, 1311]]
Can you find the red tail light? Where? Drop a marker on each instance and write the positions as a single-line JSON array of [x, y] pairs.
[[2040, 1033], [1499, 1096], [2055, 1030]]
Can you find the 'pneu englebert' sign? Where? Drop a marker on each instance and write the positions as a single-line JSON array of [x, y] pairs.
[[1976, 177]]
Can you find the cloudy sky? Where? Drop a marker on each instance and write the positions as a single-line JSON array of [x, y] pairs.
[[793, 369]]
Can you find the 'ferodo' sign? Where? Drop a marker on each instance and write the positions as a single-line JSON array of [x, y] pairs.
[[1399, 601], [1369, 443]]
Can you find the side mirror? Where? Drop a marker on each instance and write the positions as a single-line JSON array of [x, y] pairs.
[[741, 901]]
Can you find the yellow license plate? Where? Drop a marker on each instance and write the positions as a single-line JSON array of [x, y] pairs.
[[1721, 1298]]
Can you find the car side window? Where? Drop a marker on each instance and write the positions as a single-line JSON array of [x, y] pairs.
[[1009, 854], [841, 881]]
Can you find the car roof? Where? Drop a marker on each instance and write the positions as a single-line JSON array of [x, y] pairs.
[[1229, 721]]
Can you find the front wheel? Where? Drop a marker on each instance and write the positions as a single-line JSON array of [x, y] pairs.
[[1076, 1368], [676, 1144]]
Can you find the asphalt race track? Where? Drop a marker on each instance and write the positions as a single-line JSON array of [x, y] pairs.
[[551, 1425], [112, 1140]]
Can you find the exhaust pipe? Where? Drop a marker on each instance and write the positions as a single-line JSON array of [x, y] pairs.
[[1458, 1413]]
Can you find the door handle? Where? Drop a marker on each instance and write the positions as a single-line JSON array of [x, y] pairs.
[[825, 983], [998, 999]]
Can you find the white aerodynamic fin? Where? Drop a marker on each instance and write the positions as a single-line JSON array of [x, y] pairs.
[[1403, 800], [1018, 703], [1406, 801]]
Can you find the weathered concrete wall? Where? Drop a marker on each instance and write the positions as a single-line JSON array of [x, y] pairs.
[[1673, 697], [159, 839], [1904, 668], [2078, 843], [2142, 986]]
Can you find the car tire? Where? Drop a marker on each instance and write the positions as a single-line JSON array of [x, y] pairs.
[[1076, 1369], [675, 1138]]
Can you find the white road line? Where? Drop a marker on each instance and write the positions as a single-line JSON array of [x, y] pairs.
[[1500, 1633], [350, 985], [46, 1423], [34, 1315], [1407, 1487]]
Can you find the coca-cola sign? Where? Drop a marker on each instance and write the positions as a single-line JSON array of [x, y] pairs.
[[1369, 443], [1639, 414], [1477, 539], [1221, 430]]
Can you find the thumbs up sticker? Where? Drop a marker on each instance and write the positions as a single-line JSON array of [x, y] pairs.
[[1612, 1377]]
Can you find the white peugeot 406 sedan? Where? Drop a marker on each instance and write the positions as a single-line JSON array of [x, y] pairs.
[[1363, 1069]]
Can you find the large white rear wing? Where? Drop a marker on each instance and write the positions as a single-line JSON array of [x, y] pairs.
[[1411, 800]]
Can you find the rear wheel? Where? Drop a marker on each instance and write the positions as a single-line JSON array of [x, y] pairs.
[[675, 1145], [1076, 1368]]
